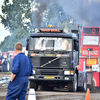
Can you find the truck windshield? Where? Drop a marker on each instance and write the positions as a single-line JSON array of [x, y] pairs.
[[90, 40], [51, 43]]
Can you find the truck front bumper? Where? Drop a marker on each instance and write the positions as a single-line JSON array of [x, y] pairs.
[[52, 78]]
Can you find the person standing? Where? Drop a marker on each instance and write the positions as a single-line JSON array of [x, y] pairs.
[[0, 60], [21, 71], [5, 65]]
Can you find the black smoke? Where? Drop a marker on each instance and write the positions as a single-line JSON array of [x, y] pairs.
[[41, 6], [86, 12]]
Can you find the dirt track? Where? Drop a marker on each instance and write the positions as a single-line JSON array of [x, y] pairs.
[[3, 87], [51, 95]]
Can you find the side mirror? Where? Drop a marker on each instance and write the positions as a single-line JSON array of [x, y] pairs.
[[76, 46], [76, 32], [26, 46], [27, 43]]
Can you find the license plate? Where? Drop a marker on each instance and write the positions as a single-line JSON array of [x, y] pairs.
[[49, 77]]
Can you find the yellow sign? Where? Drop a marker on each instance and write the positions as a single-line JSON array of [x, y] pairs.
[[51, 30], [91, 62], [49, 54], [49, 77]]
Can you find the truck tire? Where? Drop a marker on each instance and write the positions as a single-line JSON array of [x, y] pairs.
[[1, 68], [84, 87], [8, 66], [73, 86], [85, 84], [33, 85]]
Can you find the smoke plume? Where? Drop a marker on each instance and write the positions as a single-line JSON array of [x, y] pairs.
[[84, 12], [41, 6]]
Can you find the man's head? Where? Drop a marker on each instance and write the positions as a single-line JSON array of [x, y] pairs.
[[18, 47]]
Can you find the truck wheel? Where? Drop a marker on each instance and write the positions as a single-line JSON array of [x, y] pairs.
[[85, 84], [33, 85], [84, 87], [73, 86], [8, 66]]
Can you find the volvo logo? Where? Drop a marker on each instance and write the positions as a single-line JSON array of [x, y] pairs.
[[64, 63]]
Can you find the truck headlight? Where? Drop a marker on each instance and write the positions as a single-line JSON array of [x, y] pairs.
[[66, 72], [32, 77], [34, 72]]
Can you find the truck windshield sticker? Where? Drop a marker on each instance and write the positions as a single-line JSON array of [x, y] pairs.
[[49, 54], [51, 30], [49, 43]]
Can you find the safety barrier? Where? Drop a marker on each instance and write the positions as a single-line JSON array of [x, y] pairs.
[[31, 95]]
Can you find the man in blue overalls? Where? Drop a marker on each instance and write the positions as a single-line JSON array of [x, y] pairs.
[[21, 71]]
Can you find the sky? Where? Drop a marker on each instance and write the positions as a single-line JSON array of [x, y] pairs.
[[3, 32], [85, 12]]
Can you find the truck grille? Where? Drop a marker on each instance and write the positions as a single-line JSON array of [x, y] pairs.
[[45, 60], [36, 61], [49, 72]]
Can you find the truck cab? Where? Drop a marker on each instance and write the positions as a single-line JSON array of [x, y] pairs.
[[55, 58]]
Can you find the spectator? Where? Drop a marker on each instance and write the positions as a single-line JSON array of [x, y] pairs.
[[22, 69], [5, 65]]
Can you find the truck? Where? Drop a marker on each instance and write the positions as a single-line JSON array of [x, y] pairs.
[[55, 57], [90, 55], [1, 68], [8, 57]]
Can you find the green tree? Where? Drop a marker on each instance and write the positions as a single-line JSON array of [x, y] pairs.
[[16, 17], [16, 14]]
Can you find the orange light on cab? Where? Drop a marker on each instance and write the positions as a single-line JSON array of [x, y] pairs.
[[72, 72], [33, 54]]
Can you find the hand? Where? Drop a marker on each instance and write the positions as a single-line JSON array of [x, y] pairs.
[[11, 80], [12, 77], [28, 77]]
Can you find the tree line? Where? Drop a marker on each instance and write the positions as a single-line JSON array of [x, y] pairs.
[[17, 17]]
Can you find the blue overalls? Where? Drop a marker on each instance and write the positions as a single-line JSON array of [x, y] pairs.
[[22, 67]]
